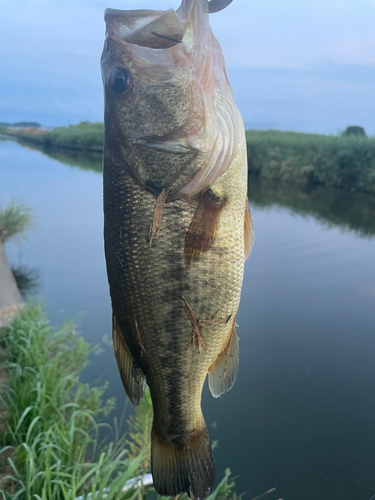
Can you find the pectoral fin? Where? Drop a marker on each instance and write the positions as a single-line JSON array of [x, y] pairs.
[[248, 230], [223, 373], [132, 377], [202, 232]]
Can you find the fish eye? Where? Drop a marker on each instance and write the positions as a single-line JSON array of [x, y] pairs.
[[119, 80]]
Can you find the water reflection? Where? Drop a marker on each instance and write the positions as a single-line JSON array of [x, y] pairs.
[[80, 159], [27, 279], [350, 211], [74, 158]]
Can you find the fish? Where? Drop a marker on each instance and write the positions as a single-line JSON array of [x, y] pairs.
[[177, 226]]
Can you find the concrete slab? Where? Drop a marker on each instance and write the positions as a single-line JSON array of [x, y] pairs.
[[10, 298]]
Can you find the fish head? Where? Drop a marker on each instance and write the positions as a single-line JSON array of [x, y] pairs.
[[169, 110]]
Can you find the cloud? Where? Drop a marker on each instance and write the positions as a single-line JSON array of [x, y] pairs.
[[51, 51]]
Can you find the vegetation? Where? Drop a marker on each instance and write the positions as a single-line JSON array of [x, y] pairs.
[[84, 136], [354, 130], [311, 160], [15, 219], [51, 430]]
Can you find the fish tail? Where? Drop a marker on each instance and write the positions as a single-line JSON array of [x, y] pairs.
[[183, 466]]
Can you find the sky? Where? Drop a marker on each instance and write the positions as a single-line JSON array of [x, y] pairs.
[[297, 65]]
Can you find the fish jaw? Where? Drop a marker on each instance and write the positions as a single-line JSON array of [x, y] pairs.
[[178, 98]]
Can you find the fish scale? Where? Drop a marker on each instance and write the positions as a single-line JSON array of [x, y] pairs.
[[177, 229]]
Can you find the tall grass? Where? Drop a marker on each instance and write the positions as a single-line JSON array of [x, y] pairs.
[[52, 418], [50, 422], [15, 219]]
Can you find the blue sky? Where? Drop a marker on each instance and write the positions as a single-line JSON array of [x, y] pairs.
[[306, 66]]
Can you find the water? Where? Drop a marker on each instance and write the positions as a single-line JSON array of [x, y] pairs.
[[301, 416]]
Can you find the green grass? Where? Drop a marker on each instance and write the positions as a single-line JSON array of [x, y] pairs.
[[15, 219], [311, 159], [52, 438], [52, 425]]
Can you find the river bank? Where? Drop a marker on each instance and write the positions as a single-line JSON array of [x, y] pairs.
[[345, 162]]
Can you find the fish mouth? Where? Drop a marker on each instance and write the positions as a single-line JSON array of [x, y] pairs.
[[156, 29]]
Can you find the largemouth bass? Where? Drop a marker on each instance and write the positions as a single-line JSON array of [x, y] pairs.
[[177, 225]]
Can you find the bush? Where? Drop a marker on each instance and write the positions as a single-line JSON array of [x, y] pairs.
[[354, 130]]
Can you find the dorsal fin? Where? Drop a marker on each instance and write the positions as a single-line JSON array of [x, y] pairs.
[[132, 377]]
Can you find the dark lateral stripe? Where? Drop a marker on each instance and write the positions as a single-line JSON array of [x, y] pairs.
[[202, 232]]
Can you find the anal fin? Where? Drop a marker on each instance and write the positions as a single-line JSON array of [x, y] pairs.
[[132, 377], [223, 373]]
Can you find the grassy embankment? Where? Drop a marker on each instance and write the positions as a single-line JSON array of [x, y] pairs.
[[85, 136], [50, 430], [313, 160], [288, 157]]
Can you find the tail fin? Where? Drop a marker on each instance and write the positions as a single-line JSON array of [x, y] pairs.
[[183, 468]]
